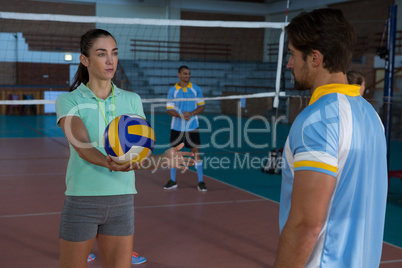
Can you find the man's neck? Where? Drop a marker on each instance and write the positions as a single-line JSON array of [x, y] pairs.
[[183, 84], [327, 78]]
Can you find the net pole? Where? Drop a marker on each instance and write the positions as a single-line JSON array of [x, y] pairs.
[[389, 76], [279, 68]]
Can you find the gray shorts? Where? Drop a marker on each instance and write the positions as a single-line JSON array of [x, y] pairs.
[[83, 217]]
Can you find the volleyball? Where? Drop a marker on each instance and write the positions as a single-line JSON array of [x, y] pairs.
[[129, 138]]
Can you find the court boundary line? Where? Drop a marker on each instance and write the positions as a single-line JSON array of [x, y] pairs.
[[392, 261], [231, 185], [143, 207], [30, 214], [206, 203], [32, 174], [43, 134], [390, 244]]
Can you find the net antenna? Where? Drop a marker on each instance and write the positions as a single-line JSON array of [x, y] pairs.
[[287, 11]]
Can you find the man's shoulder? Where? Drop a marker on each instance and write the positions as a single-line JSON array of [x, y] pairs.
[[195, 86], [318, 112], [173, 88], [324, 102]]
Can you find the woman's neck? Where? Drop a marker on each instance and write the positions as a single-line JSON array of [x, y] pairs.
[[101, 89]]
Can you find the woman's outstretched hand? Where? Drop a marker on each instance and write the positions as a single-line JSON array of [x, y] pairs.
[[172, 157], [175, 158]]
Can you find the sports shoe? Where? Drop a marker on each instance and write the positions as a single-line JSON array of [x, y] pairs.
[[201, 186], [137, 259], [91, 257], [170, 185]]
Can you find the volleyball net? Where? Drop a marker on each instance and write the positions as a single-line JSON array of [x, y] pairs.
[[40, 52], [240, 66]]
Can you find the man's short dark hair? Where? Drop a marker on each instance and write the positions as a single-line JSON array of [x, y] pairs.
[[327, 31], [183, 67], [355, 77]]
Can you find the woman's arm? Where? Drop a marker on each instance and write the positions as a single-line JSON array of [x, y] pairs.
[[172, 157], [77, 134]]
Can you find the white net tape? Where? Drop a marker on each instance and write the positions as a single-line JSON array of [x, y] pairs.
[[140, 21]]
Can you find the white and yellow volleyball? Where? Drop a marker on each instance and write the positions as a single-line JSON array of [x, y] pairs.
[[129, 138]]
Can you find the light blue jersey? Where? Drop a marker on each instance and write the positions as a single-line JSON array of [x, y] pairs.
[[340, 134], [190, 92]]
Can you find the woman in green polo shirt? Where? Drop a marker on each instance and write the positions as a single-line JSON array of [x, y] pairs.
[[99, 192]]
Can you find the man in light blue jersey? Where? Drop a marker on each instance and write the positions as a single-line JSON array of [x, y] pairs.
[[334, 182], [184, 124]]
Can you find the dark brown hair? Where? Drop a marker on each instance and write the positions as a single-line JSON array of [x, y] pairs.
[[86, 43], [355, 78], [182, 67], [327, 31]]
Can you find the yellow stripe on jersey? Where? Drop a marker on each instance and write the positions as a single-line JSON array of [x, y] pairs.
[[316, 165], [349, 90], [170, 107], [201, 103], [177, 86]]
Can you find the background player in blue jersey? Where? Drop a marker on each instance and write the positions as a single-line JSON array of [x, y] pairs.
[[334, 182], [357, 78], [185, 121]]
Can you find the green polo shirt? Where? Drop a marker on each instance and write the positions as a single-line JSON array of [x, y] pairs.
[[82, 177]]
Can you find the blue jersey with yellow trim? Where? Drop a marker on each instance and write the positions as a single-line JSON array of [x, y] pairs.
[[340, 134], [190, 92]]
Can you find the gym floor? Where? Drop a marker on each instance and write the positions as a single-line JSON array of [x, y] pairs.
[[233, 224]]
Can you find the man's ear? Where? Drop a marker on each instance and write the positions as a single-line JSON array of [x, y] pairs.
[[316, 58], [84, 60]]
